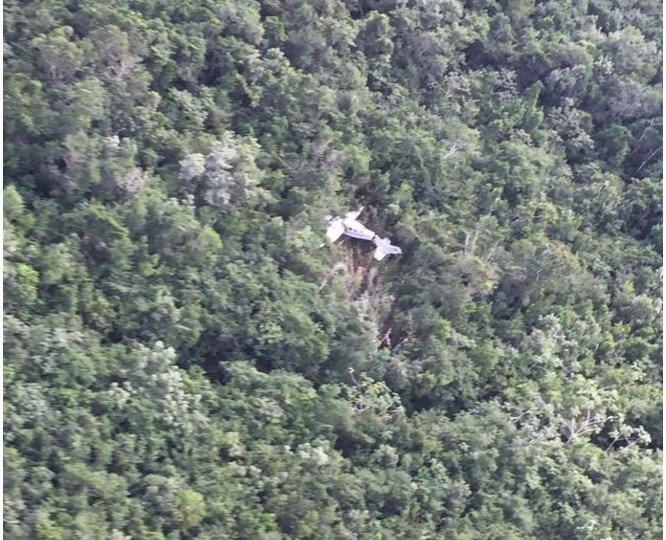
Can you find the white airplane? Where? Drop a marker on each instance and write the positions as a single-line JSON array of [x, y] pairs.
[[349, 226]]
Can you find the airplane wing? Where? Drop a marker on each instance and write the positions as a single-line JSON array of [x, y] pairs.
[[354, 215], [335, 230]]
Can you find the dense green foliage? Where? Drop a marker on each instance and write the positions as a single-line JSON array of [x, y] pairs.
[[183, 359]]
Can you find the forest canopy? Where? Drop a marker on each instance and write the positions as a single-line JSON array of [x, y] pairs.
[[184, 360]]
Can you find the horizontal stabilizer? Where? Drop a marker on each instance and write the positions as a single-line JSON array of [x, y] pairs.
[[385, 248], [379, 254]]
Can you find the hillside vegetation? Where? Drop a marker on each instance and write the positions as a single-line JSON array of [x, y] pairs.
[[184, 360]]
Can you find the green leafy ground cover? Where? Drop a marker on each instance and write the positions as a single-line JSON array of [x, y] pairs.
[[182, 358]]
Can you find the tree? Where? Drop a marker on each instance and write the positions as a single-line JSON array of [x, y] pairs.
[[185, 359]]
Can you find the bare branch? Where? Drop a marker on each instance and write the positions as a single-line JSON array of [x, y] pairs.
[[457, 145], [327, 278], [645, 161]]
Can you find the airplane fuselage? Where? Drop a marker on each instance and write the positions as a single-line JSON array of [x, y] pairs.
[[356, 230]]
